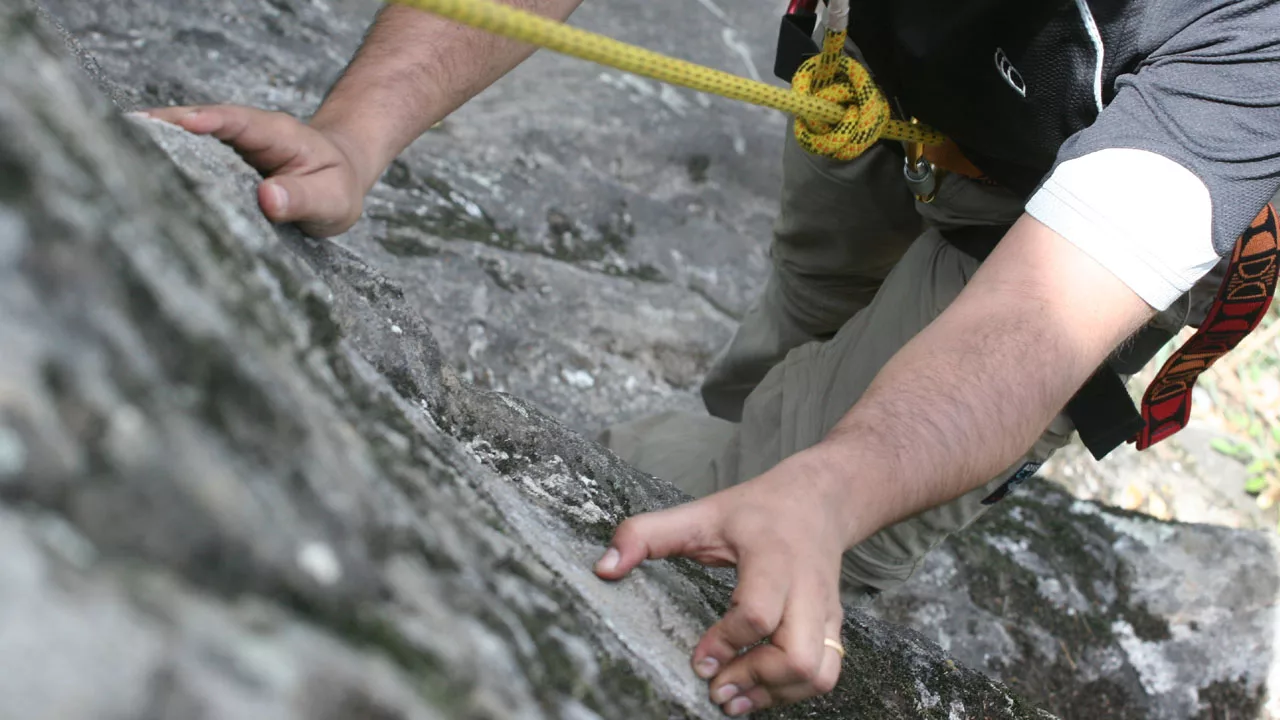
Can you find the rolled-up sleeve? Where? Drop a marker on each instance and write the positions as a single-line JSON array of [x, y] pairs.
[[1175, 166]]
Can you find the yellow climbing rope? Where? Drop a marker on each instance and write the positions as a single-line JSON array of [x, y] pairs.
[[838, 109]]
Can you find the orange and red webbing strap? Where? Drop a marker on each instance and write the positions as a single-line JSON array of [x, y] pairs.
[[1241, 304]]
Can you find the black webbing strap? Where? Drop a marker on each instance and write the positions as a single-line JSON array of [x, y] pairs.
[[795, 39]]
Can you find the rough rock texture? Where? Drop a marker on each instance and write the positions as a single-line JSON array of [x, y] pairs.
[[571, 229], [240, 478], [236, 480], [1096, 613]]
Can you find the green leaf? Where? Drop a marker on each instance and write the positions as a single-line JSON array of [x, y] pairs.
[[1231, 447], [1256, 484], [1226, 446], [1259, 466]]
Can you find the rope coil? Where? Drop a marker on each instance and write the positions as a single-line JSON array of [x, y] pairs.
[[836, 77]]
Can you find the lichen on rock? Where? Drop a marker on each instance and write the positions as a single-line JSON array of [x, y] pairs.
[[241, 482], [244, 473]]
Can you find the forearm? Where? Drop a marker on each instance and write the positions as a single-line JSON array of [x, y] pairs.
[[972, 392], [412, 70]]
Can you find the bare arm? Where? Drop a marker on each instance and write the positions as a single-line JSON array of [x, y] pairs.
[[412, 70], [955, 406], [969, 394]]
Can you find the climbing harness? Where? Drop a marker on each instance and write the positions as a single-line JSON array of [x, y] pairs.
[[839, 112]]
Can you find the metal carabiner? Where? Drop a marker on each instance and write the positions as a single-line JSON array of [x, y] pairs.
[[920, 178], [920, 174]]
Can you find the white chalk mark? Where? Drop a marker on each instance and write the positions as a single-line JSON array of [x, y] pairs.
[[320, 562], [731, 41], [715, 10]]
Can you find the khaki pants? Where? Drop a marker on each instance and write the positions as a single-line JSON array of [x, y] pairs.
[[858, 269]]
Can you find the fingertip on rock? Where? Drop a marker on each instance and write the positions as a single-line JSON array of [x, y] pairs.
[[608, 563], [275, 200], [707, 667]]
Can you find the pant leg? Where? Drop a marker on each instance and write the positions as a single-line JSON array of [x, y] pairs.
[[686, 449], [801, 398], [788, 379], [841, 228]]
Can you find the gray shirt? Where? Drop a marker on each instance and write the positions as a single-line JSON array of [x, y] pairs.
[[1146, 132]]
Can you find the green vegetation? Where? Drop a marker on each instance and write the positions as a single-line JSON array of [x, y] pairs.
[[1244, 387]]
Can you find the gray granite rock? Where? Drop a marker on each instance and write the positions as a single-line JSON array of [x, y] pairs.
[[572, 229], [1098, 613], [237, 480], [248, 474]]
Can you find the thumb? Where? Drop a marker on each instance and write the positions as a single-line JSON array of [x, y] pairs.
[[678, 531], [316, 202]]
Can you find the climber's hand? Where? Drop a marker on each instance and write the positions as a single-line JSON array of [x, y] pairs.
[[312, 179], [785, 534]]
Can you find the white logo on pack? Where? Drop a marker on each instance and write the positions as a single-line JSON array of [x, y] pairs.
[[1010, 73]]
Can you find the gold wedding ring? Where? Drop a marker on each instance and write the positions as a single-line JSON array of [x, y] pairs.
[[834, 645]]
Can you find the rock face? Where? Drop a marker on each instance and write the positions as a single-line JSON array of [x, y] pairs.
[[240, 476], [572, 229], [1096, 613], [237, 481]]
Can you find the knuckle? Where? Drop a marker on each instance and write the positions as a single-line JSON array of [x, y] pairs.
[[763, 699], [803, 667], [281, 119], [629, 529], [826, 683], [755, 618]]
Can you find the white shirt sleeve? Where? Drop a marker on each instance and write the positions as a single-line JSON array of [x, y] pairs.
[[1142, 216]]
